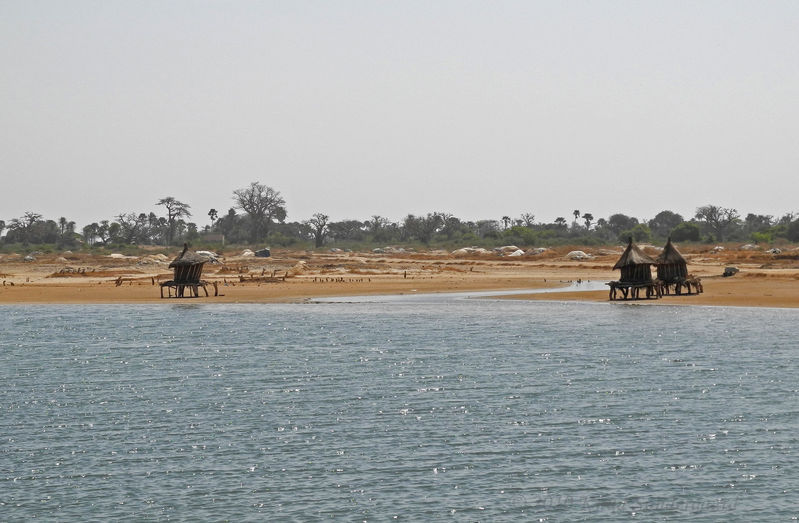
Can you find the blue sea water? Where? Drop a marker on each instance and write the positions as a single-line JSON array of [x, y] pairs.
[[420, 410]]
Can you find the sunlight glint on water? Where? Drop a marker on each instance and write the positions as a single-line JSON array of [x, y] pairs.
[[473, 409]]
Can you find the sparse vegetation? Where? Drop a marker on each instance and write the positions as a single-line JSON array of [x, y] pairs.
[[263, 221]]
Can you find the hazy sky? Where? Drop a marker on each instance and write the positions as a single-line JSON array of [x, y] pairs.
[[354, 108]]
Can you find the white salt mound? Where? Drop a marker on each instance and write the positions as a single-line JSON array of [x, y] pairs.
[[578, 255]]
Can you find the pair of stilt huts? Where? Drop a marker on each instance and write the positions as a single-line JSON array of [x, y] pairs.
[[636, 274]]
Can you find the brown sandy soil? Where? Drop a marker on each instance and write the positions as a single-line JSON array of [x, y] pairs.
[[766, 291], [765, 279]]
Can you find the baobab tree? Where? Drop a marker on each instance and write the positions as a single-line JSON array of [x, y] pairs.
[[718, 219], [318, 226], [263, 205], [528, 219], [175, 210], [30, 218]]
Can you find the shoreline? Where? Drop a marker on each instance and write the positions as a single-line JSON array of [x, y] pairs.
[[305, 275], [728, 293]]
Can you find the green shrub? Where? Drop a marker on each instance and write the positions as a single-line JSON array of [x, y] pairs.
[[639, 233], [763, 237], [792, 232], [686, 231]]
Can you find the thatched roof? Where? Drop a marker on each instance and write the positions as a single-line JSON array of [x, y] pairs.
[[633, 255], [670, 255], [187, 257]]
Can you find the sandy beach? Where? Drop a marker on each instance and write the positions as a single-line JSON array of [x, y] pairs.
[[764, 280]]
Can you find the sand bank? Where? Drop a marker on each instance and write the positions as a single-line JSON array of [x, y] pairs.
[[83, 279], [729, 292]]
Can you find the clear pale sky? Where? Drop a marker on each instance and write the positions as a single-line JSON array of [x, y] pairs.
[[354, 108]]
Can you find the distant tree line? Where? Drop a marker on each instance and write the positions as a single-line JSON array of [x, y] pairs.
[[259, 216]]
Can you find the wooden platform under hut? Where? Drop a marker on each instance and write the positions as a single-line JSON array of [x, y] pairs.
[[672, 270], [188, 270], [636, 275]]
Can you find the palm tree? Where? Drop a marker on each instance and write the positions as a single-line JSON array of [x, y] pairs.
[[506, 221], [588, 217], [576, 213]]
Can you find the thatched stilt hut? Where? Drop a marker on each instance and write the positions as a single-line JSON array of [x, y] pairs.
[[636, 274], [672, 269], [188, 269], [635, 265], [671, 266]]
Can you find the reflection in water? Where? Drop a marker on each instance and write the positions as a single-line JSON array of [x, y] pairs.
[[574, 286]]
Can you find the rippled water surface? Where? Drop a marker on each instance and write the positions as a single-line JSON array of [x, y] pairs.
[[428, 410]]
